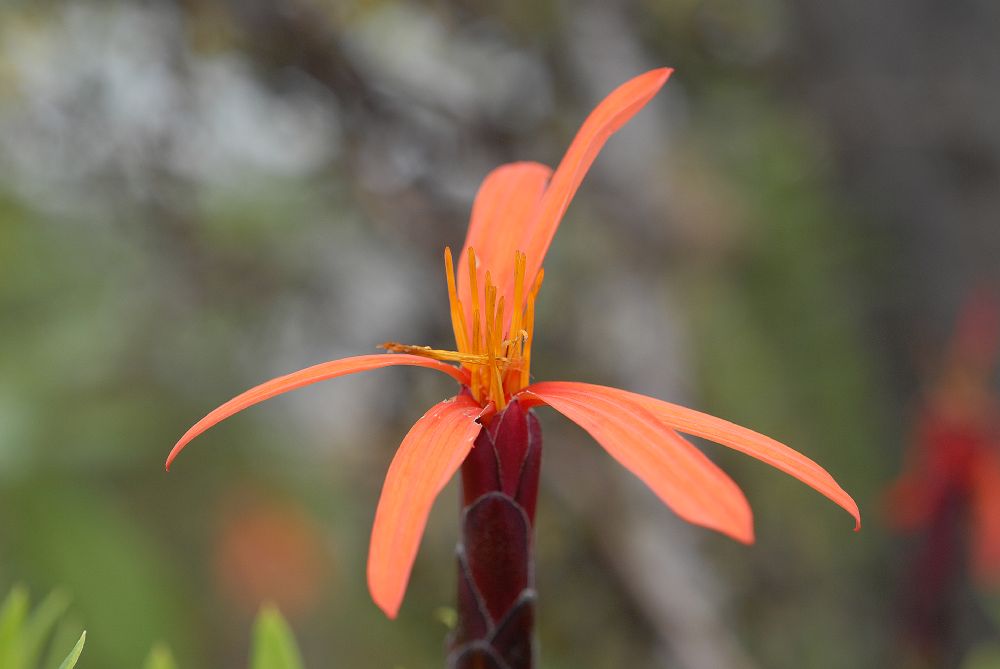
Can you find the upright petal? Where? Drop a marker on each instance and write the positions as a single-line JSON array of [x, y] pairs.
[[680, 475], [501, 214], [305, 377], [519, 209], [610, 115], [429, 456], [739, 438]]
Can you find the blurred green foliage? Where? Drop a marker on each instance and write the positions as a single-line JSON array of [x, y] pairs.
[[74, 655], [273, 644], [160, 658], [25, 635]]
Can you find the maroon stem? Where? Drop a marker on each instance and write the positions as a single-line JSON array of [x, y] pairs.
[[496, 580], [929, 612]]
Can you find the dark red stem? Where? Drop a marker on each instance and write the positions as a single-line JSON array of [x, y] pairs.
[[496, 581]]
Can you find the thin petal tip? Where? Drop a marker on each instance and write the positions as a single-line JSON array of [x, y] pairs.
[[852, 508], [743, 535], [390, 611], [174, 452], [387, 603], [742, 530], [653, 80], [663, 73], [645, 85]]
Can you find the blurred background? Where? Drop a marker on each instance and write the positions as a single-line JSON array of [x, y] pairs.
[[198, 195]]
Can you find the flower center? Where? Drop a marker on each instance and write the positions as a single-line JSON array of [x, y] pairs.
[[498, 357]]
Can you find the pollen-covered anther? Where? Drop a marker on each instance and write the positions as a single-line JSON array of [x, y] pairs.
[[520, 338], [437, 353]]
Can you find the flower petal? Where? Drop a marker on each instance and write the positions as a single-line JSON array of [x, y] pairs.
[[430, 454], [610, 115], [741, 439], [305, 377], [680, 475], [518, 208], [504, 208], [756, 445]]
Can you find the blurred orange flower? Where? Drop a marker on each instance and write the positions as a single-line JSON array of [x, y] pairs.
[[514, 218], [954, 464], [269, 550]]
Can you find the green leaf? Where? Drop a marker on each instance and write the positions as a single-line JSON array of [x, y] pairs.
[[160, 658], [274, 646], [12, 615], [62, 642], [39, 626], [74, 654], [135, 597]]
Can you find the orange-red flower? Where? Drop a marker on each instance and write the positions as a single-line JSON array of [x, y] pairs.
[[952, 475], [514, 217], [267, 548]]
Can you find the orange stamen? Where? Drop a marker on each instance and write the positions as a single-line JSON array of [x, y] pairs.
[[529, 326], [473, 284], [515, 321], [497, 362], [457, 317], [438, 354]]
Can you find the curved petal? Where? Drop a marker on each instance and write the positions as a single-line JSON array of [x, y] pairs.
[[680, 475], [429, 456], [305, 377], [739, 438], [501, 213], [607, 118]]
